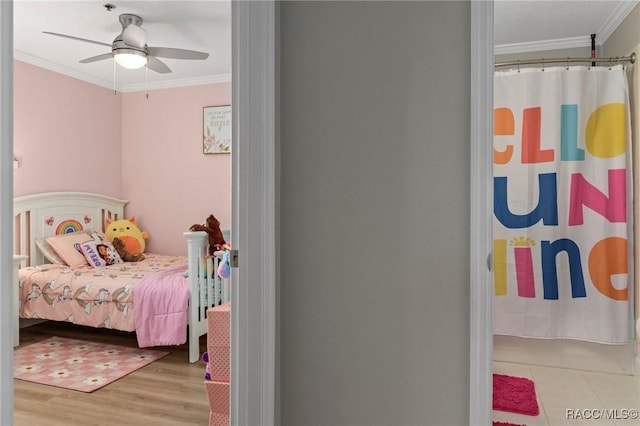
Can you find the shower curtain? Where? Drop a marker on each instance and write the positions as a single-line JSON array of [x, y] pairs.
[[563, 218]]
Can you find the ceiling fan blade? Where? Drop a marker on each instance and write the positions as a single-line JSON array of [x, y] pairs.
[[155, 64], [133, 35], [171, 53], [97, 58], [78, 38]]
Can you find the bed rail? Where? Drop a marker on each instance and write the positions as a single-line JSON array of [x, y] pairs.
[[207, 288], [18, 262]]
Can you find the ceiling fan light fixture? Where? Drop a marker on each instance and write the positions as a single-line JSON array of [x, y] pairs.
[[129, 49], [130, 58]]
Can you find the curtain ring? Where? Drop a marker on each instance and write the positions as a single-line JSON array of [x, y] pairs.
[[542, 64], [568, 60], [518, 65]]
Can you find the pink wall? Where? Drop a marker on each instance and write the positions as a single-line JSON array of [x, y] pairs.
[[67, 134], [170, 182], [70, 135]]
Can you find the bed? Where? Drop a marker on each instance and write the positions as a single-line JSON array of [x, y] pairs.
[[175, 291]]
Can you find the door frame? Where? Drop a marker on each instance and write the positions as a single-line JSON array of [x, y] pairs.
[[481, 214], [254, 200], [7, 319], [254, 59], [253, 212]]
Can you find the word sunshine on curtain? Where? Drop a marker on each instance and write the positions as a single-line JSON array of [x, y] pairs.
[[562, 204]]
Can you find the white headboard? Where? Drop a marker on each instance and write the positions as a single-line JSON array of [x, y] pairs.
[[51, 213]]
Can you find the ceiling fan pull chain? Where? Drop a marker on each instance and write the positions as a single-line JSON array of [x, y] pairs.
[[146, 80]]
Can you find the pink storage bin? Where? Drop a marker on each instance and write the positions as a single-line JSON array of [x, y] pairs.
[[218, 350], [219, 326], [217, 419], [218, 395], [219, 360]]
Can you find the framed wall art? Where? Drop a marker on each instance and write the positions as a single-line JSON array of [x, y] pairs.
[[216, 136]]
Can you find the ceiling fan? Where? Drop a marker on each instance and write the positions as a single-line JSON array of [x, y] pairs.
[[130, 49]]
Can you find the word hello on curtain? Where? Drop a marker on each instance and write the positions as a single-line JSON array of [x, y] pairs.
[[562, 204]]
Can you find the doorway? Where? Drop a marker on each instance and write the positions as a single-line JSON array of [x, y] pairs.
[[547, 359], [481, 333], [253, 46]]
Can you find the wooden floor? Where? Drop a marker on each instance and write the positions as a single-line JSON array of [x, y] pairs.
[[169, 391]]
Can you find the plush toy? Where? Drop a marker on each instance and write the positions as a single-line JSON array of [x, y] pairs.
[[118, 244], [128, 232], [211, 227], [224, 269]]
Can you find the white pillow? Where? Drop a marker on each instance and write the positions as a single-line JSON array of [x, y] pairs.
[[48, 252]]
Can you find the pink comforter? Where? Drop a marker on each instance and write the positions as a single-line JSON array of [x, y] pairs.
[[97, 297], [161, 302]]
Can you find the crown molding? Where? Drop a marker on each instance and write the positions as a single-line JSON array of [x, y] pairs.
[[619, 14], [610, 25], [170, 84], [122, 88], [61, 69]]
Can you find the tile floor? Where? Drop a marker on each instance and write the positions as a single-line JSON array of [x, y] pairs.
[[560, 389]]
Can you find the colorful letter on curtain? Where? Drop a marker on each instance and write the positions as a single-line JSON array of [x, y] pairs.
[[562, 248]]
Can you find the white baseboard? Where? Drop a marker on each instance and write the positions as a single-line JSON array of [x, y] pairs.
[[564, 353]]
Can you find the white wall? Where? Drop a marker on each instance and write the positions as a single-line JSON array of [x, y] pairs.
[[374, 214]]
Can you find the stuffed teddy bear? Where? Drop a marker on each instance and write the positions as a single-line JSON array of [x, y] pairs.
[[118, 244], [211, 227], [128, 232]]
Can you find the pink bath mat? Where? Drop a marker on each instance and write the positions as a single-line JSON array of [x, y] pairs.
[[515, 395], [78, 364]]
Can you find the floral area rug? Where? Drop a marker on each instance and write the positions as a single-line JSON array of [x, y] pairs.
[[78, 364]]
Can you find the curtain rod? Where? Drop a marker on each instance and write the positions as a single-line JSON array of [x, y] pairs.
[[544, 61]]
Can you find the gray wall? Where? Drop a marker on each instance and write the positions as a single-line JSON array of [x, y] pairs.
[[625, 38], [374, 213], [622, 42]]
